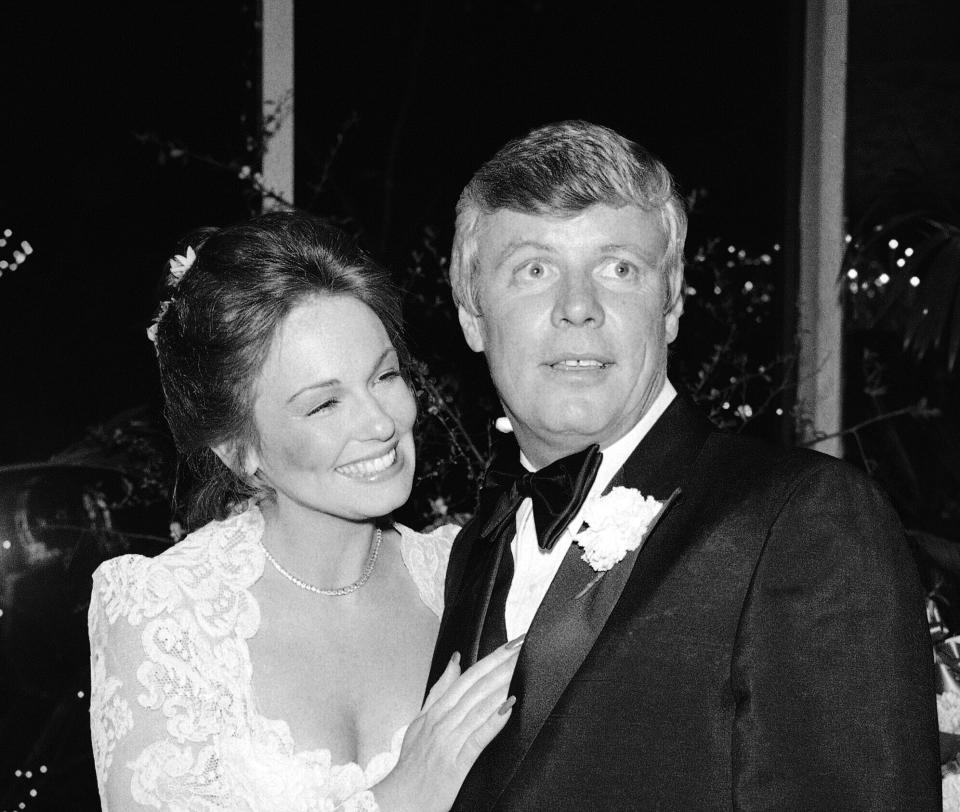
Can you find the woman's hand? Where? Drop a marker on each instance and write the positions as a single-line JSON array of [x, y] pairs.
[[461, 715]]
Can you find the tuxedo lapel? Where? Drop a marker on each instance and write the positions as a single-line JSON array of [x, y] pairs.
[[465, 615], [571, 616]]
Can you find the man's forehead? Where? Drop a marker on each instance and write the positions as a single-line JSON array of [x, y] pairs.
[[504, 231]]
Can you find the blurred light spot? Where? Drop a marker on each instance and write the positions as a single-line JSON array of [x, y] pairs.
[[748, 286], [852, 273], [914, 280], [901, 262], [6, 544], [893, 244], [779, 412], [883, 279], [80, 694], [908, 252]]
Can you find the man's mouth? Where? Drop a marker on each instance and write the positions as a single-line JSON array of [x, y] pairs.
[[366, 469], [579, 363]]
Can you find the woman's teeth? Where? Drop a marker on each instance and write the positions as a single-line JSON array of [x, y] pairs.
[[368, 468]]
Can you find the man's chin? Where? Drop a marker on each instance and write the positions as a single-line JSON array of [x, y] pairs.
[[575, 435]]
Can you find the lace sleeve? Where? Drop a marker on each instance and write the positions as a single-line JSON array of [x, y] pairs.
[[111, 713], [150, 724]]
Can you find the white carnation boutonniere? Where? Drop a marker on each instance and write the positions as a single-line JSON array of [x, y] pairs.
[[617, 523]]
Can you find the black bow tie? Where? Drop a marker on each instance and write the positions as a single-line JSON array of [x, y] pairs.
[[558, 491]]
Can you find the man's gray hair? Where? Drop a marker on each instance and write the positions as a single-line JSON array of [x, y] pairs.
[[560, 170]]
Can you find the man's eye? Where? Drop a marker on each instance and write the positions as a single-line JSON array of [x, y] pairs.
[[532, 270], [621, 270]]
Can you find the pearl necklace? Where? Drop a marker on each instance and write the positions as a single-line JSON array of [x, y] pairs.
[[333, 593]]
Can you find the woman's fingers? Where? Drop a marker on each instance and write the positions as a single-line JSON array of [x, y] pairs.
[[482, 697], [488, 727], [442, 685], [480, 670]]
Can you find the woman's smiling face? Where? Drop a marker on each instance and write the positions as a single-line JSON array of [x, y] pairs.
[[333, 415]]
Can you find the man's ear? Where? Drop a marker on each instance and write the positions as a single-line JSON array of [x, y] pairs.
[[230, 455], [674, 305], [472, 328]]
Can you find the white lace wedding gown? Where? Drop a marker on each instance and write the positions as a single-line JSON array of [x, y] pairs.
[[172, 704]]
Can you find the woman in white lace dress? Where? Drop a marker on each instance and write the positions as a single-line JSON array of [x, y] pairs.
[[275, 659]]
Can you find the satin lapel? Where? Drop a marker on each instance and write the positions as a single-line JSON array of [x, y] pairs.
[[463, 618], [565, 626]]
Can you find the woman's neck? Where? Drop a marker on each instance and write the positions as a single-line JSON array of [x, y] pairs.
[[324, 550]]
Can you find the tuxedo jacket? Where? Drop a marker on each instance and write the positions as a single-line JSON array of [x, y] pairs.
[[765, 648]]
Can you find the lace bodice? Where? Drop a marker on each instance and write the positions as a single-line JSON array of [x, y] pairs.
[[173, 718]]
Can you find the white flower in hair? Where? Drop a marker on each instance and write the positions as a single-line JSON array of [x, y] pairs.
[[181, 263], [161, 312]]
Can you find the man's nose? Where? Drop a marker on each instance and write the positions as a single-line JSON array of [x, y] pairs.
[[578, 302]]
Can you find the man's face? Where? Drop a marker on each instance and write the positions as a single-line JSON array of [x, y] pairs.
[[573, 323]]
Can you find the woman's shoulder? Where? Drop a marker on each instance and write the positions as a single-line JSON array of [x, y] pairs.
[[222, 556], [425, 556]]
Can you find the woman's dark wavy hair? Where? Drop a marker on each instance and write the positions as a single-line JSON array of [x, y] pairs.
[[214, 336]]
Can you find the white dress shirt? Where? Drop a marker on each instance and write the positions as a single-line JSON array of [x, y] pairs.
[[535, 568]]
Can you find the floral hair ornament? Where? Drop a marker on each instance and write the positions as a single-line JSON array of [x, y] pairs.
[[179, 265]]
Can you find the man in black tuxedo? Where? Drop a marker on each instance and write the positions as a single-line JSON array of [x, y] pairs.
[[762, 642]]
